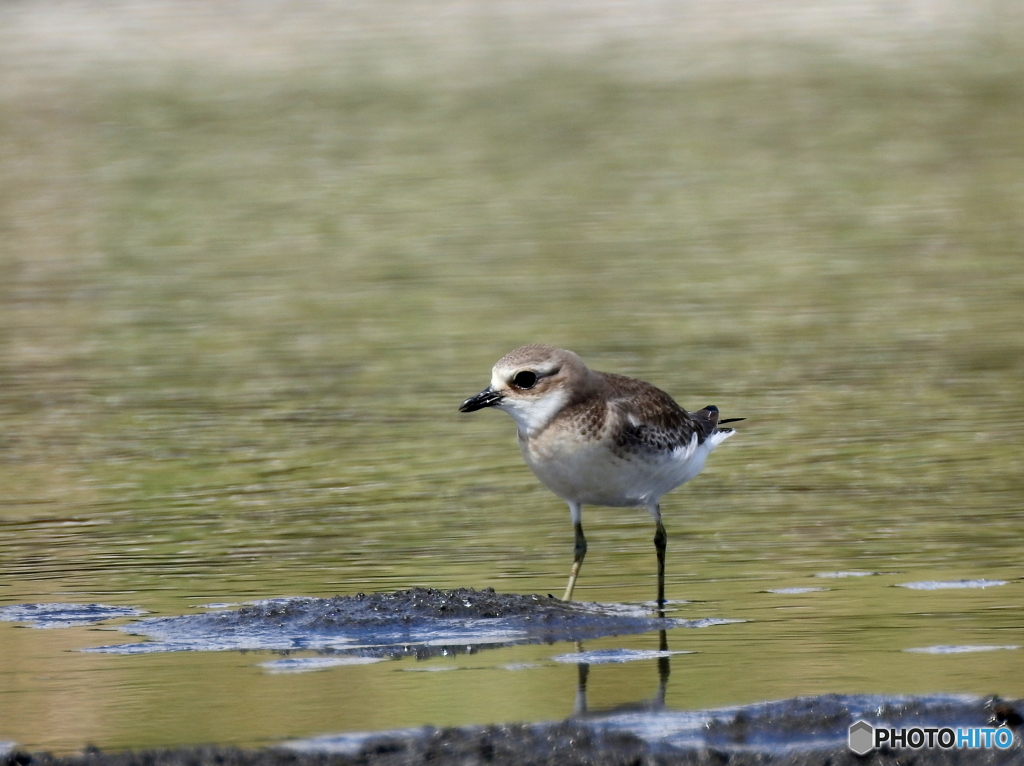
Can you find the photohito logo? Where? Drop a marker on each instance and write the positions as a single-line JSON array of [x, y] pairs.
[[864, 737]]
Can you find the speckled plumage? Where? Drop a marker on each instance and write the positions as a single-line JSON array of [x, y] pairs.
[[597, 438]]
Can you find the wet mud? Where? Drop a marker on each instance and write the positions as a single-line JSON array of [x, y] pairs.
[[422, 622], [65, 615], [815, 729]]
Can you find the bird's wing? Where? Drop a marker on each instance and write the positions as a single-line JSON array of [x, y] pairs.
[[649, 420]]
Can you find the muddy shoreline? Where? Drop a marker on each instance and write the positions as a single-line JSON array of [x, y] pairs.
[[420, 622], [566, 743], [799, 731], [809, 731]]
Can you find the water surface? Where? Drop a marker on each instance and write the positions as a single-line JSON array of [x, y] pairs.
[[243, 291]]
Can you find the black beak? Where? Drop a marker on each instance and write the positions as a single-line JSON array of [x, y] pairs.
[[486, 398]]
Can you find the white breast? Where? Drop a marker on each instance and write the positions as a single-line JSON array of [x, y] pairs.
[[592, 473]]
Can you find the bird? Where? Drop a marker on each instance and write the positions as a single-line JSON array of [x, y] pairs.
[[597, 438]]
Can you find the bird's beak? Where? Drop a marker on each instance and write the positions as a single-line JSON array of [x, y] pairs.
[[486, 398]]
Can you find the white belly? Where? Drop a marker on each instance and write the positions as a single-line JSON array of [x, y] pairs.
[[590, 473]]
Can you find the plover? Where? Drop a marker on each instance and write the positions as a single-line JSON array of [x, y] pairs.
[[594, 438]]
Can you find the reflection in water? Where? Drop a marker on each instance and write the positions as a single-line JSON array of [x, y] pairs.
[[581, 709], [238, 310], [808, 723]]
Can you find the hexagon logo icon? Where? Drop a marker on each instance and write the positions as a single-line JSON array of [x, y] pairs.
[[862, 737]]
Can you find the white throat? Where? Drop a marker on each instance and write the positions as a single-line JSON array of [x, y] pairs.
[[531, 415]]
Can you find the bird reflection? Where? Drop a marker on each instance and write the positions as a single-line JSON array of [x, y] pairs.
[[656, 703]]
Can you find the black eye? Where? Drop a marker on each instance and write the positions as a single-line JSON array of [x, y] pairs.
[[525, 379]]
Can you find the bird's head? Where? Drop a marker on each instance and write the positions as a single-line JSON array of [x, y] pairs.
[[532, 384]]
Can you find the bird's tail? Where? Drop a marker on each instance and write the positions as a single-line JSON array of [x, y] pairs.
[[708, 421]]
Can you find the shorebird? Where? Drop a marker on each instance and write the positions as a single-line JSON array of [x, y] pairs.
[[594, 438]]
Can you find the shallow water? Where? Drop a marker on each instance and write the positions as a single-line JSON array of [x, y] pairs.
[[861, 635], [243, 296]]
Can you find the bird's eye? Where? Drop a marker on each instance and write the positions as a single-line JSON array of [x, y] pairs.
[[525, 379]]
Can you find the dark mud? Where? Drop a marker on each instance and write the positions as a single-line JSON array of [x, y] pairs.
[[583, 741], [421, 622], [804, 726]]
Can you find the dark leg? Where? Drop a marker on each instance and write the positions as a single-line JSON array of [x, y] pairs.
[[579, 552], [660, 542]]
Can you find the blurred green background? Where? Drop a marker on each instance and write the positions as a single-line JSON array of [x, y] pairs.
[[253, 256]]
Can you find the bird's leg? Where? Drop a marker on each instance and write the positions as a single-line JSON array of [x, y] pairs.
[[660, 542], [579, 551]]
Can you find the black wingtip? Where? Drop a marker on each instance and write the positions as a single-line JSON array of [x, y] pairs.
[[730, 420]]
